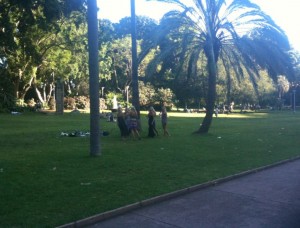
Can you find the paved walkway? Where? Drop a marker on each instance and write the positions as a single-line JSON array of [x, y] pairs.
[[268, 198]]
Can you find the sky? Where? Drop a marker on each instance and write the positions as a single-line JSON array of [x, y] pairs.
[[285, 13]]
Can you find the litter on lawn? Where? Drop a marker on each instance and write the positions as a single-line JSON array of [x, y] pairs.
[[81, 133]]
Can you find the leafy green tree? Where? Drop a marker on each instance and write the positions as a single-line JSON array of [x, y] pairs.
[[116, 63], [66, 59], [158, 97], [165, 97], [283, 85], [189, 91], [106, 32], [115, 52], [29, 31], [236, 30], [144, 27], [19, 28], [147, 94]]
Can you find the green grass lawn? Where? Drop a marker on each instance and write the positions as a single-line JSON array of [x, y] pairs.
[[48, 180]]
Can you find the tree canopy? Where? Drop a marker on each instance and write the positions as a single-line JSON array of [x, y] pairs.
[[236, 34], [204, 54]]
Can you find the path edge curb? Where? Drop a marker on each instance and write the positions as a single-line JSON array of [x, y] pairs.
[[122, 210]]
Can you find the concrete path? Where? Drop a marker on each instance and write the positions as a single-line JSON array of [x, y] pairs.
[[269, 198]]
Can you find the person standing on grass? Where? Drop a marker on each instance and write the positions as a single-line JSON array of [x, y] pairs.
[[216, 111], [151, 122], [121, 123], [127, 118], [164, 120], [134, 123], [154, 122]]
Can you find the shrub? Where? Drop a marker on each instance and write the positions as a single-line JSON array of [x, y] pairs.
[[52, 103], [31, 103], [82, 102], [69, 103], [102, 103]]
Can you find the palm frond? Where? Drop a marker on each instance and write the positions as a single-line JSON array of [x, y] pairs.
[[245, 38]]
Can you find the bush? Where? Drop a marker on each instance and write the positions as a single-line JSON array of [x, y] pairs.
[[82, 102], [30, 103], [52, 103], [102, 103], [69, 103]]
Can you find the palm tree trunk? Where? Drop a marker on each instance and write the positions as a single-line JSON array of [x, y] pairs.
[[211, 95], [135, 85], [94, 78]]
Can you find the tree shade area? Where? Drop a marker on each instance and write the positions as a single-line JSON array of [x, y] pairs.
[[198, 58]]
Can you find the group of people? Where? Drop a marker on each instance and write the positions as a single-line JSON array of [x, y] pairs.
[[152, 124], [128, 122]]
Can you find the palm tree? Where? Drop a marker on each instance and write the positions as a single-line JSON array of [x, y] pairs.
[[94, 78], [135, 86], [235, 33]]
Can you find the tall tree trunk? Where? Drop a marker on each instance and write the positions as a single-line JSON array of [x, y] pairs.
[[211, 94], [135, 84], [94, 78], [228, 94], [39, 95]]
